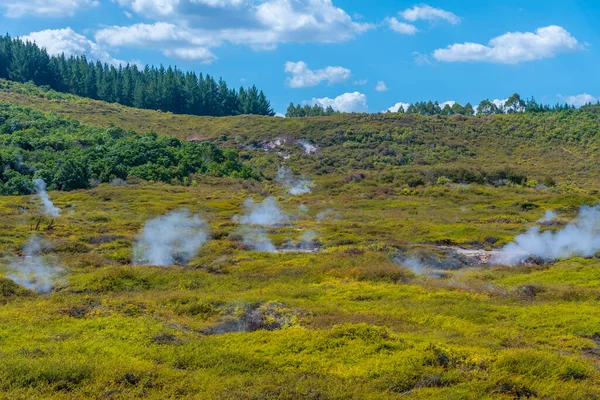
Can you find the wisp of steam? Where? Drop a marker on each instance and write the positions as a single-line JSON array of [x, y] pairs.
[[255, 238], [266, 213], [308, 241], [309, 148], [548, 217], [170, 239], [297, 186], [49, 208], [580, 237], [32, 271], [258, 216], [415, 266]]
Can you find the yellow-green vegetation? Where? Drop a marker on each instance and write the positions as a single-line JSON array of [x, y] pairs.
[[342, 323], [346, 322]]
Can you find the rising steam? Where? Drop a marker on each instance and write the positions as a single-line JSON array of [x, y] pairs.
[[548, 217], [416, 266], [581, 237], [308, 241], [32, 271], [266, 213], [258, 216], [296, 186], [308, 147], [255, 238], [49, 208], [171, 239]]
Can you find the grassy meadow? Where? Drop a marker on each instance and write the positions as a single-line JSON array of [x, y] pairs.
[[346, 322]]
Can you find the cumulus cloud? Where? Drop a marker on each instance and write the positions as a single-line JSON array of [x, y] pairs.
[[499, 103], [428, 13], [513, 47], [381, 87], [143, 35], [260, 24], [302, 76], [397, 106], [579, 99], [69, 42], [45, 8], [196, 54], [405, 106], [401, 27], [347, 102]]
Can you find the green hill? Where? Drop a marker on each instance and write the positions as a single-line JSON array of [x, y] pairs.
[[561, 146], [368, 278]]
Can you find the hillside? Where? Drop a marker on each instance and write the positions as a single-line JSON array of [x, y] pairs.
[[342, 257], [557, 145]]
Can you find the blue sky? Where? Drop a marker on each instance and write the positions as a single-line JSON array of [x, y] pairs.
[[354, 55]]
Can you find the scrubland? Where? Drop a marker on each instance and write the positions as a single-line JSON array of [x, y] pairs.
[[347, 321]]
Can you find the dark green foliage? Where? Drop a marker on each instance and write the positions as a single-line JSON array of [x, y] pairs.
[[308, 111], [9, 289], [154, 88], [69, 156]]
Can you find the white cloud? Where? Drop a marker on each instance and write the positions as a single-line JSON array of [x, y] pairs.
[[347, 102], [260, 24], [360, 82], [302, 76], [397, 106], [381, 87], [513, 47], [401, 27], [200, 54], [146, 35], [499, 103], [580, 99], [447, 103], [69, 42], [44, 8], [421, 59], [428, 13]]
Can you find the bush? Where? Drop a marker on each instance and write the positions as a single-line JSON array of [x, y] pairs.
[[68, 155]]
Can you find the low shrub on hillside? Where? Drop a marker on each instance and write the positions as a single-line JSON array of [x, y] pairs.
[[69, 156]]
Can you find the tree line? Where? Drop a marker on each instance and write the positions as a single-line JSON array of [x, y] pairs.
[[166, 89], [309, 111], [514, 104]]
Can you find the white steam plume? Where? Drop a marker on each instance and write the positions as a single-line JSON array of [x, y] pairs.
[[256, 239], [308, 241], [49, 208], [32, 271], [309, 148], [416, 266], [170, 239], [548, 217], [297, 185], [581, 237], [266, 213], [260, 215]]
